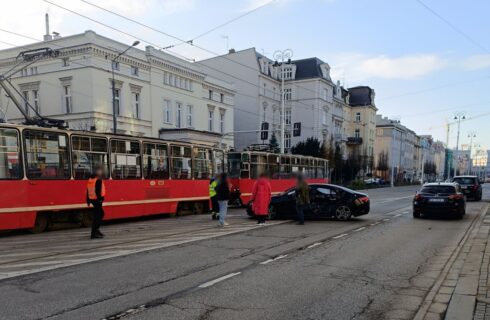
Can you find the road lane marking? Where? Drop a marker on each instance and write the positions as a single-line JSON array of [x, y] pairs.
[[282, 256], [340, 236], [397, 215], [314, 245], [386, 219], [374, 223], [215, 281], [359, 229]]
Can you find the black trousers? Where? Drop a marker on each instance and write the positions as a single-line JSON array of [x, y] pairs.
[[214, 205], [98, 215], [261, 218]]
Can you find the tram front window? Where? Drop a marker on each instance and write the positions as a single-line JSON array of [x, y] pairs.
[[181, 162], [46, 155], [88, 154], [234, 165], [202, 163], [10, 168]]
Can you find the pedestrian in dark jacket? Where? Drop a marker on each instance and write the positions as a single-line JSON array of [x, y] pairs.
[[95, 196], [223, 196], [302, 195]]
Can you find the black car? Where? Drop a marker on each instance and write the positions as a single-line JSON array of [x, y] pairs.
[[439, 198], [326, 201], [470, 185]]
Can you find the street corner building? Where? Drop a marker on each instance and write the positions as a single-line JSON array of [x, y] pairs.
[[156, 94]]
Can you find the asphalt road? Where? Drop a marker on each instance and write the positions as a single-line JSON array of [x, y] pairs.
[[378, 266]]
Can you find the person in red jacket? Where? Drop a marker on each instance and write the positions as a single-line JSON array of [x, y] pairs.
[[261, 197]]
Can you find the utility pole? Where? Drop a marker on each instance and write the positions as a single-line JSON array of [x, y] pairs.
[[113, 85], [460, 115], [448, 162], [283, 56]]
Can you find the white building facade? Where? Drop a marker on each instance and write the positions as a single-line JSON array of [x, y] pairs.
[[308, 94], [156, 94]]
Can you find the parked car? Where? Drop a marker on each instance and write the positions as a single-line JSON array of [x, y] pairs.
[[444, 198], [326, 201], [470, 186]]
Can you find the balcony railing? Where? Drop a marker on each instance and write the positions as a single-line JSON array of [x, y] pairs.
[[354, 140]]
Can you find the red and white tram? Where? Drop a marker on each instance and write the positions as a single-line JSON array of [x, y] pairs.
[[43, 175], [245, 167]]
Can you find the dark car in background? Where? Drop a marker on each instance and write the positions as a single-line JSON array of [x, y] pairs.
[[470, 185], [326, 201], [444, 198]]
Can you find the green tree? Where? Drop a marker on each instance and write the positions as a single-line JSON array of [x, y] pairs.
[[273, 144], [310, 147]]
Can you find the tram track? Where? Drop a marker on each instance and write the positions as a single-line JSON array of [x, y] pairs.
[[307, 243]]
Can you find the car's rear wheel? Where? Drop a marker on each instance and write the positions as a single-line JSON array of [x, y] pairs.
[[272, 213], [343, 213], [416, 215]]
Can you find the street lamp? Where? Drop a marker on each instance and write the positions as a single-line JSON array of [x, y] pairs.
[[460, 115], [471, 135], [113, 62], [283, 56]]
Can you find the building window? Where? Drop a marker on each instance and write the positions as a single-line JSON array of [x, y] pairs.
[[134, 71], [167, 111], [222, 122], [190, 111], [65, 62], [33, 70], [178, 120], [287, 73], [357, 134], [25, 95], [264, 114], [165, 78], [221, 98], [324, 117], [287, 117], [117, 101], [136, 105], [325, 94], [35, 96], [287, 94], [210, 94], [287, 140], [67, 99], [210, 120], [115, 65], [358, 117]]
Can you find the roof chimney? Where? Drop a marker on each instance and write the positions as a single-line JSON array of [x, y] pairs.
[[231, 50], [47, 36]]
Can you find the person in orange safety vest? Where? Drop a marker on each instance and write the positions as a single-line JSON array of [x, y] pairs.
[[95, 197]]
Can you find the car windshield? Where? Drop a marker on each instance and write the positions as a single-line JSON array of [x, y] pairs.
[[467, 180], [438, 190]]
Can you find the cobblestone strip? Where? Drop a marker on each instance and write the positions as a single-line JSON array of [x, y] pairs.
[[482, 309], [459, 274]]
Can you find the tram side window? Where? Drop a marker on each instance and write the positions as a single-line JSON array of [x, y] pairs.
[[181, 162], [201, 163], [88, 154], [46, 155], [285, 169], [155, 161], [10, 165], [258, 165], [219, 162], [125, 159], [273, 166]]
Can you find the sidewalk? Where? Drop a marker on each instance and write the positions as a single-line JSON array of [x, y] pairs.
[[463, 292]]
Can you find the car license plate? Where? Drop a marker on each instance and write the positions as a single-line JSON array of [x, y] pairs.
[[436, 200]]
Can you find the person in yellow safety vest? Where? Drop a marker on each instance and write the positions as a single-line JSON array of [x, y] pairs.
[[214, 201], [95, 197]]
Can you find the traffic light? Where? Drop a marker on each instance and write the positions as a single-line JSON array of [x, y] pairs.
[[297, 129], [264, 133]]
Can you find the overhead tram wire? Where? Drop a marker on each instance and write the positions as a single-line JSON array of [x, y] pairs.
[[453, 26], [270, 118], [183, 41], [185, 58]]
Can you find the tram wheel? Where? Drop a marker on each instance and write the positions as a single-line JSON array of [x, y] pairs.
[[41, 223], [199, 208], [87, 219]]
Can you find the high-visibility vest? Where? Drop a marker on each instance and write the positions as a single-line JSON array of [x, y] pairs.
[[212, 188], [91, 189]]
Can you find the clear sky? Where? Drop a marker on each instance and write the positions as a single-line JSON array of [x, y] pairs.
[[423, 71]]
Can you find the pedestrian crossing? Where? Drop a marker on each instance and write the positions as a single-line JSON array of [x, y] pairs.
[[27, 254]]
